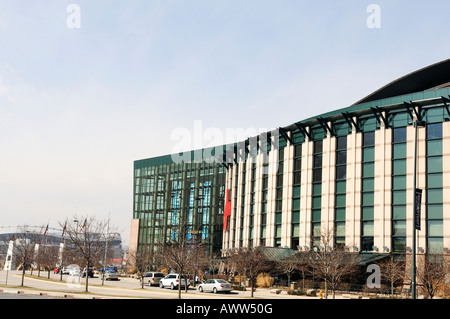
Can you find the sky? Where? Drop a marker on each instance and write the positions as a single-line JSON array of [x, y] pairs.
[[88, 87]]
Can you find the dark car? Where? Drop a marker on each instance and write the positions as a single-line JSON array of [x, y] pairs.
[[89, 272]]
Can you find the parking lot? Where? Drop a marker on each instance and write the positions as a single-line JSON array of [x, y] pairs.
[[126, 287]]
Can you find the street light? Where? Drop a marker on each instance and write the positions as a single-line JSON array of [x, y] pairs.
[[416, 202]]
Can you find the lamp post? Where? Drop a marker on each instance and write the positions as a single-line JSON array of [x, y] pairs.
[[417, 123]]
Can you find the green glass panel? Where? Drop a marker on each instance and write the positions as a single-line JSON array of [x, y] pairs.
[[341, 187], [296, 191], [278, 231], [434, 196], [398, 197], [434, 147], [435, 228], [399, 228], [263, 232], [296, 204], [316, 230], [368, 154], [369, 124], [398, 182], [399, 167], [368, 185], [400, 119], [434, 180], [298, 138], [295, 230], [435, 115], [340, 200], [339, 214], [367, 213], [316, 215], [434, 131], [367, 228], [399, 151], [367, 199], [317, 202], [398, 212], [434, 164], [368, 169], [434, 212], [295, 217], [317, 189], [340, 229], [278, 218], [341, 129]]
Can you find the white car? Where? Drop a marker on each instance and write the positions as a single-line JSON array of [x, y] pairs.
[[75, 272], [152, 278], [111, 275], [172, 281], [215, 285]]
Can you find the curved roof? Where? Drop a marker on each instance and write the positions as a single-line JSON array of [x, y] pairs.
[[432, 76]]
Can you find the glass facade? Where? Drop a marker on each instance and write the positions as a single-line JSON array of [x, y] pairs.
[[168, 195]]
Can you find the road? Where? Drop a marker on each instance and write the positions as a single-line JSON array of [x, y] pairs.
[[123, 288]]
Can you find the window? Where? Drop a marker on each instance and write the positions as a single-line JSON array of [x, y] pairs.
[[296, 194], [434, 191], [367, 194], [399, 188]]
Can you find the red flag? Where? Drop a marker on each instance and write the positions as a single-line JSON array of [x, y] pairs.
[[84, 224], [45, 231], [64, 230], [227, 211]]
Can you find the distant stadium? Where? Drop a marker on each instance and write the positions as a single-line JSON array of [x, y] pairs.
[[49, 236]]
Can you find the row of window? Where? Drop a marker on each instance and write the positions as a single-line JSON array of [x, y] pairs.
[[399, 171]]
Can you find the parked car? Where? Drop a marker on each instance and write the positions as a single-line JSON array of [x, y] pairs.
[[152, 278], [172, 281], [75, 272], [111, 275], [56, 270], [66, 270], [215, 285], [109, 268], [90, 273]]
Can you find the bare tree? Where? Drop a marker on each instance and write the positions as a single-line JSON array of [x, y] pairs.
[[87, 236], [24, 248], [392, 271], [433, 273], [200, 259], [331, 263], [142, 260], [252, 261], [47, 257], [215, 262], [177, 254], [287, 266], [303, 265]]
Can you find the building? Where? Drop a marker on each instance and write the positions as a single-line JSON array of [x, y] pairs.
[[171, 191], [349, 172]]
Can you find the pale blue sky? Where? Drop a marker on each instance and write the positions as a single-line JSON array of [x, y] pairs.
[[78, 106]]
